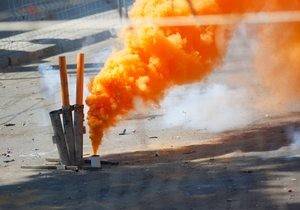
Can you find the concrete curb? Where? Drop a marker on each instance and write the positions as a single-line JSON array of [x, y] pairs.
[[60, 46]]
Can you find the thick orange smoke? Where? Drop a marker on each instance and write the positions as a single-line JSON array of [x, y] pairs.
[[156, 58], [278, 62]]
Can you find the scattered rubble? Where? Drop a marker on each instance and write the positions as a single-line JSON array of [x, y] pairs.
[[247, 171], [9, 124], [8, 161], [123, 133], [7, 154]]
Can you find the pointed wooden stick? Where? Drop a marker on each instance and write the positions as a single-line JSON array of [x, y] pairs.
[[64, 81], [67, 110], [80, 79], [78, 111]]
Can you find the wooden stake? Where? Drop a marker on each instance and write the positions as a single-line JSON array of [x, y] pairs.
[[69, 133], [80, 79], [78, 132], [67, 110], [59, 137], [78, 111], [64, 81]]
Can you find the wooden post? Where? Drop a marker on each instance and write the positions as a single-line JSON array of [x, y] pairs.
[[67, 110], [80, 79], [78, 132], [78, 111], [59, 138], [69, 132], [64, 81]]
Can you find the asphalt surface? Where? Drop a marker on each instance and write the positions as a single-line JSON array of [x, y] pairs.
[[255, 167]]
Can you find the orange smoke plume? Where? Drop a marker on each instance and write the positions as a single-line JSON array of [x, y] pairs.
[[278, 62], [156, 58]]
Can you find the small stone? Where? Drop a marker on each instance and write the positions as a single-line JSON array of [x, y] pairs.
[[9, 124], [247, 171], [8, 161]]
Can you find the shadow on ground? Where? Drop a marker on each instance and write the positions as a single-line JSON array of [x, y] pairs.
[[169, 179], [256, 139], [177, 185]]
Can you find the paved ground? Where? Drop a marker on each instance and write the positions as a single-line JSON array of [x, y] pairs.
[[256, 167]]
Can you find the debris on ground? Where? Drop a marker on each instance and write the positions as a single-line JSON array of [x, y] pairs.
[[123, 133], [9, 150], [5, 155], [9, 124], [247, 171], [151, 118], [8, 161], [189, 152], [40, 99]]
